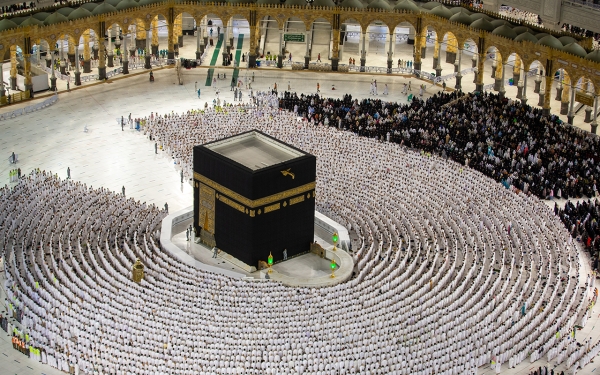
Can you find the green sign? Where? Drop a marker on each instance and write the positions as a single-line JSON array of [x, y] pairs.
[[293, 38]]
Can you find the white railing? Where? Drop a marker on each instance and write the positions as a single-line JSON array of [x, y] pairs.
[[30, 108]]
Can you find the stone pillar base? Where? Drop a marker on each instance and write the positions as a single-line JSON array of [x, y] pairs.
[[493, 72], [180, 41], [363, 61], [564, 108], [231, 42], [458, 79], [280, 61], [71, 58], [524, 100], [48, 63], [111, 61], [537, 87], [198, 55], [154, 49], [497, 84], [77, 78], [87, 66], [519, 92], [588, 115], [147, 62], [438, 72], [140, 43], [475, 76], [335, 62], [546, 112], [125, 67], [541, 101], [594, 127], [501, 93], [13, 83], [389, 65], [559, 94], [423, 52], [435, 62], [570, 119], [455, 68], [417, 66], [102, 73], [516, 77], [63, 70], [252, 61], [171, 55], [52, 83], [95, 51], [479, 87]]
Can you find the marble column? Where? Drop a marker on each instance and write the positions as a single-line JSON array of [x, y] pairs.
[[524, 96], [363, 51], [198, 43], [110, 52], [87, 66], [147, 64], [390, 51], [280, 50], [125, 54], [77, 72], [13, 68], [594, 124], [571, 114], [502, 90], [154, 45], [307, 54], [559, 86], [171, 46], [52, 76], [101, 61], [2, 90], [458, 66], [27, 72]]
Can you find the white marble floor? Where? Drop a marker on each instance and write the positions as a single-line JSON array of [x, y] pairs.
[[53, 139]]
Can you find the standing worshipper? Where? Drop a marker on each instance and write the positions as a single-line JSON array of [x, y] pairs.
[[166, 205], [123, 190], [187, 234], [181, 175], [198, 93], [284, 254], [215, 251], [155, 148], [385, 89], [68, 173]]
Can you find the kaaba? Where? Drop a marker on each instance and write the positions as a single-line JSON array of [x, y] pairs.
[[254, 195]]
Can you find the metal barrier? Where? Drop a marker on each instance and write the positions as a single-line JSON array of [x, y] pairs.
[[30, 108]]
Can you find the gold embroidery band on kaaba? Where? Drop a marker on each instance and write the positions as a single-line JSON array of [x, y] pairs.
[[254, 203]]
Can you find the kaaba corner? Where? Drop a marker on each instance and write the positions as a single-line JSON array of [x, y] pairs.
[[254, 195]]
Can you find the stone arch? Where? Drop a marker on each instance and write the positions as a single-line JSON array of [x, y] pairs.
[[350, 20]]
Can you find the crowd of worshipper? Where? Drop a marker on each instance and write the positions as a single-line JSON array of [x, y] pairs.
[[581, 219], [17, 7], [504, 139], [452, 271], [583, 32], [519, 14]]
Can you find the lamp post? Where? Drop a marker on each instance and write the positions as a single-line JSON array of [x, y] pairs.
[[332, 265], [270, 262], [334, 238]]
